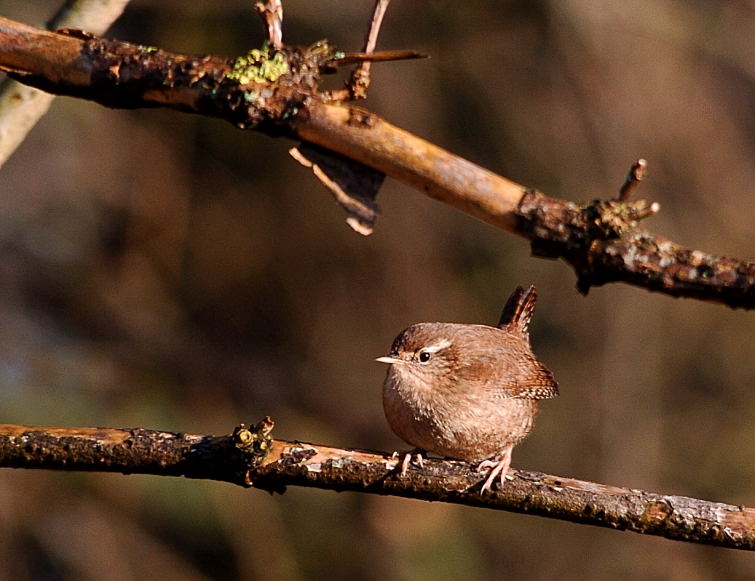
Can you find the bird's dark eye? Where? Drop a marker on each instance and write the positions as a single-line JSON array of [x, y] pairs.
[[424, 356]]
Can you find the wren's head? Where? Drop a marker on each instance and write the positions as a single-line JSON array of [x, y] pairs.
[[424, 350], [454, 356]]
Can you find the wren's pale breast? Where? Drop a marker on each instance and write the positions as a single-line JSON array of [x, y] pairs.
[[467, 391]]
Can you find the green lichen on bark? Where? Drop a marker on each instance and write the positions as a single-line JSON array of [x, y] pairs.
[[259, 65]]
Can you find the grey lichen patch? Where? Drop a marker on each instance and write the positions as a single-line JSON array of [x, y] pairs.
[[259, 65]]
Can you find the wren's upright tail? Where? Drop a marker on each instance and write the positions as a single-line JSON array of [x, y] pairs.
[[518, 310], [537, 381]]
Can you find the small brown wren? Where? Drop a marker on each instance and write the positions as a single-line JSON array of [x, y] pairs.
[[467, 392]]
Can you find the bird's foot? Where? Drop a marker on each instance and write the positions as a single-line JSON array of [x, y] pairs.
[[411, 457], [498, 468]]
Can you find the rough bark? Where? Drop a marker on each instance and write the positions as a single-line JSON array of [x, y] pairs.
[[250, 457], [277, 91]]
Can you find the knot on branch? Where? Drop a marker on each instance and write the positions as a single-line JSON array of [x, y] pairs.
[[603, 244], [254, 443], [230, 458], [607, 219], [559, 228]]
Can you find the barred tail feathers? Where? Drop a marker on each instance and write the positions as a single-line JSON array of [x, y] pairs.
[[517, 313]]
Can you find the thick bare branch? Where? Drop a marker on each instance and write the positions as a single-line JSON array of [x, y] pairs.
[[277, 91], [249, 457], [599, 239]]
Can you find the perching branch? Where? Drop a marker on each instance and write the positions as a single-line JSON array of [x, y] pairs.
[[277, 91], [250, 457]]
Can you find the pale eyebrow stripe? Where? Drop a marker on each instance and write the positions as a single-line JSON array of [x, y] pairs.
[[442, 344]]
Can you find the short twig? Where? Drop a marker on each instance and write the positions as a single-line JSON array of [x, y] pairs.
[[377, 21], [360, 78], [272, 13], [637, 173], [359, 81]]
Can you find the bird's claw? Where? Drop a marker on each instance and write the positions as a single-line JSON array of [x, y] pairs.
[[410, 457], [498, 468]]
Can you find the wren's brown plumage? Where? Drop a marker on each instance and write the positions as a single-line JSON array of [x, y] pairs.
[[467, 391]]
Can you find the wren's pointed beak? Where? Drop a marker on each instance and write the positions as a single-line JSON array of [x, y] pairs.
[[389, 359]]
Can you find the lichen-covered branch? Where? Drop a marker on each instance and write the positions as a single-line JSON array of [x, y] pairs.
[[250, 457], [277, 91], [259, 90]]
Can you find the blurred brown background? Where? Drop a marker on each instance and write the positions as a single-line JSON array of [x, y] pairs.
[[171, 272]]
